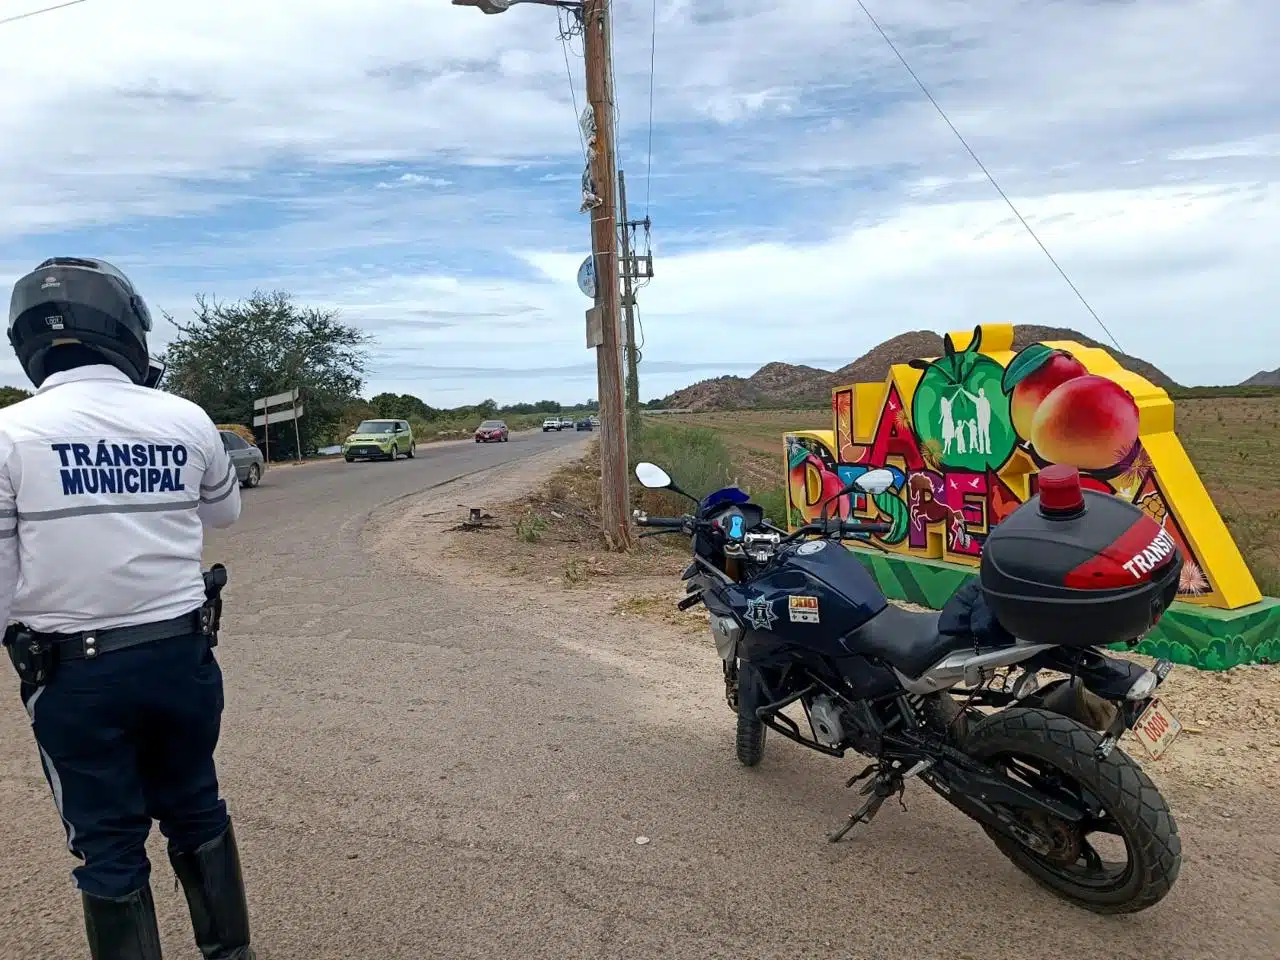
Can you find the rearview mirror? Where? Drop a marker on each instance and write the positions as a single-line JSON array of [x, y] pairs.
[[652, 476], [155, 373], [875, 482]]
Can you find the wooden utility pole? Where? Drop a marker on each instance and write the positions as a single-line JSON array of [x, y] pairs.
[[604, 246], [629, 311]]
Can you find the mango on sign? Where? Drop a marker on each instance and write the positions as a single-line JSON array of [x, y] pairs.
[[966, 435]]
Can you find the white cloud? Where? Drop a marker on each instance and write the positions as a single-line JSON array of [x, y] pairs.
[[417, 165], [411, 180]]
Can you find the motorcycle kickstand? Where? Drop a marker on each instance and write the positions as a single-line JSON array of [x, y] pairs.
[[881, 789]]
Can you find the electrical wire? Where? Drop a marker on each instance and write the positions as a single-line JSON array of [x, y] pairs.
[[36, 13], [566, 31], [983, 167], [614, 112], [653, 51]]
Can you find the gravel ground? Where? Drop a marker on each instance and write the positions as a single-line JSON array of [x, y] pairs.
[[431, 756]]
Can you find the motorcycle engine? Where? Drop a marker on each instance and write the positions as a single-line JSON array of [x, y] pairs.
[[824, 717]]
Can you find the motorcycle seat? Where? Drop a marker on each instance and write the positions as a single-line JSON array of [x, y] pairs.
[[905, 639]]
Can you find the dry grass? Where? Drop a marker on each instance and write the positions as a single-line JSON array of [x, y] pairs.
[[1235, 445], [754, 437], [568, 549]]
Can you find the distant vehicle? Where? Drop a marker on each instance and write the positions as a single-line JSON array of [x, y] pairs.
[[566, 423], [245, 458], [552, 423], [586, 424], [492, 431], [379, 440], [595, 421]]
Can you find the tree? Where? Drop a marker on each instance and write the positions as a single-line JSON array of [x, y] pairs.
[[404, 406], [233, 353], [11, 395]]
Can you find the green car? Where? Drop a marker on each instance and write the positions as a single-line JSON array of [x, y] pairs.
[[379, 440]]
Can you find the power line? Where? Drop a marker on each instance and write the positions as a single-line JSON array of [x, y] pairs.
[[983, 167], [36, 13], [565, 33], [653, 50], [614, 113]]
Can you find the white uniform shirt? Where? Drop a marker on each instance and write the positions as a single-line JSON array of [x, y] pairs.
[[105, 489]]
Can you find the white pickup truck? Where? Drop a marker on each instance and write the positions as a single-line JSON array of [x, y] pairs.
[[551, 423]]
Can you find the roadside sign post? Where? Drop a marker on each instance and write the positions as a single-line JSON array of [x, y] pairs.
[[268, 416]]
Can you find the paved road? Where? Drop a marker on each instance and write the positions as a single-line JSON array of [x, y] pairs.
[[423, 768]]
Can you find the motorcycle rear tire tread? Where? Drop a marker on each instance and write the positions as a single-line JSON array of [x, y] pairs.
[[750, 741], [1119, 783]]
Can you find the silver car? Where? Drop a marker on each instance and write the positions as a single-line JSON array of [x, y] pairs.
[[245, 457]]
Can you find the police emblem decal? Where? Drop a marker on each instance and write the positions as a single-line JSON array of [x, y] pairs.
[[760, 613]]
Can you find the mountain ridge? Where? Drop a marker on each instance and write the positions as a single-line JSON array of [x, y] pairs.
[[1263, 378], [778, 384]]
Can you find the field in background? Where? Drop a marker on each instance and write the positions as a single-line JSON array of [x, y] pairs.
[[1233, 441]]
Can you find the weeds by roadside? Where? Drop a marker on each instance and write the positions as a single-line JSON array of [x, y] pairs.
[[700, 461], [531, 527]]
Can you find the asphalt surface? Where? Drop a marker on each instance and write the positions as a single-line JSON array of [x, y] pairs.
[[425, 767]]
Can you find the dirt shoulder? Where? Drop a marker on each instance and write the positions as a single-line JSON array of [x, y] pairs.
[[549, 547]]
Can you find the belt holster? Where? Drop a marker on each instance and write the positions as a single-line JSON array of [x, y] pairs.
[[35, 659], [210, 615]]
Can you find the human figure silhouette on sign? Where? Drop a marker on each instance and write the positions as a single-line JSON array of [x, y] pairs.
[[982, 444], [948, 425]]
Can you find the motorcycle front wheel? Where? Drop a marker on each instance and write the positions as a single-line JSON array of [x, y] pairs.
[[750, 741], [1054, 754]]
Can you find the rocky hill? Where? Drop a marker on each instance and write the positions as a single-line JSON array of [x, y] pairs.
[[783, 384], [1264, 378]]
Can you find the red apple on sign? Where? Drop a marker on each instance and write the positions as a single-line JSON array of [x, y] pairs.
[[1088, 422], [1032, 390]]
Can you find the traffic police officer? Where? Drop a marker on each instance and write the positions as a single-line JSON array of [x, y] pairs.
[[106, 485]]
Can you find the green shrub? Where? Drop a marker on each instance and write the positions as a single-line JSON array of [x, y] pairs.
[[695, 457], [774, 502], [531, 527]]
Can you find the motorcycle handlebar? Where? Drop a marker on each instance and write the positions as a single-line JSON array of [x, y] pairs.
[[835, 527], [665, 523], [856, 527]]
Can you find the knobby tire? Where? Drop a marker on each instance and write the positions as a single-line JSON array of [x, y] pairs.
[[1126, 792]]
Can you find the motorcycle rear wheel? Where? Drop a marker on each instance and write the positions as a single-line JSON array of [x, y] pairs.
[[1055, 753]]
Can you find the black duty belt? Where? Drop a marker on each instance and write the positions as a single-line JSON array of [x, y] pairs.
[[93, 643]]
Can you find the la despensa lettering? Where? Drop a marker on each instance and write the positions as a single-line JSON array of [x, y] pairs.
[[112, 467]]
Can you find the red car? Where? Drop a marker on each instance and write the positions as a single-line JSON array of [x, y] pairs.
[[492, 430]]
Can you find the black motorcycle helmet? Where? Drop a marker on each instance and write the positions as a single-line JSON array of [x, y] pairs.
[[79, 301]]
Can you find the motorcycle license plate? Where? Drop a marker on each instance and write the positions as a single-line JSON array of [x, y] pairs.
[[1156, 729]]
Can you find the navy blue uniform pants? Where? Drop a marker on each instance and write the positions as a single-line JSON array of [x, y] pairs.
[[125, 739]]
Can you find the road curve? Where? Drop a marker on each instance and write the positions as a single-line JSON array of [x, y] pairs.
[[420, 767]]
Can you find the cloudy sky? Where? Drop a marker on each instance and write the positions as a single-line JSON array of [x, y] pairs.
[[417, 165]]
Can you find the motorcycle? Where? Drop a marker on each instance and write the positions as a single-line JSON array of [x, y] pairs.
[[954, 698]]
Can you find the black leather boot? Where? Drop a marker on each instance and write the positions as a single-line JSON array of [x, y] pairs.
[[122, 928], [214, 887]]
